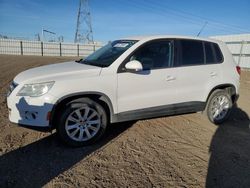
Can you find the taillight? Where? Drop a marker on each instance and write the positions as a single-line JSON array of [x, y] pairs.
[[238, 69]]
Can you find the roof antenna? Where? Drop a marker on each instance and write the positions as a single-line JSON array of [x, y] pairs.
[[202, 28]]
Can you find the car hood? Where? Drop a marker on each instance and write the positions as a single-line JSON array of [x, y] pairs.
[[50, 72]]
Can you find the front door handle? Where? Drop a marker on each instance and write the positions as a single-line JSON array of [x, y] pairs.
[[170, 78]]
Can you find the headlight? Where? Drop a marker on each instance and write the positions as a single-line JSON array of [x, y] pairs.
[[35, 90]]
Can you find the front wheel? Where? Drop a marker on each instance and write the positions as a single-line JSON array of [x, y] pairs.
[[219, 106], [82, 122]]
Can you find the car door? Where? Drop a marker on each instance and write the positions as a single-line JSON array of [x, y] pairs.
[[196, 69], [154, 85]]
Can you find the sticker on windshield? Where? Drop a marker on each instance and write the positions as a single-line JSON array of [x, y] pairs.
[[121, 45]]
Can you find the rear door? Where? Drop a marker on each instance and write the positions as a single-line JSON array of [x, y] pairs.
[[197, 70]]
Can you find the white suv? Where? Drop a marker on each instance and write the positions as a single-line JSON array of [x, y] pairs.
[[128, 79]]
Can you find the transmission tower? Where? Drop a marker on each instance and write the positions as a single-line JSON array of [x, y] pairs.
[[84, 32]]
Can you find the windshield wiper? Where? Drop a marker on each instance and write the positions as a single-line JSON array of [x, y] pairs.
[[90, 63], [78, 61]]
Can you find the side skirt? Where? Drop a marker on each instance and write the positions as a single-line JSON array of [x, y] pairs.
[[166, 110]]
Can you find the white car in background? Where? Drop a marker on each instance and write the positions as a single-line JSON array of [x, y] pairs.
[[128, 79]]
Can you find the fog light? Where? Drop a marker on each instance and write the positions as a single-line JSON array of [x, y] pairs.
[[30, 115]]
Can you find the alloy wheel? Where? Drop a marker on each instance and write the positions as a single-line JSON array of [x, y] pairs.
[[83, 124]]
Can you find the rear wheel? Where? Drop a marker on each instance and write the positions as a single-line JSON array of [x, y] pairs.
[[83, 122], [219, 106]]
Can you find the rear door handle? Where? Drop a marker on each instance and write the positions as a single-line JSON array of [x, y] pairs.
[[213, 74], [170, 78]]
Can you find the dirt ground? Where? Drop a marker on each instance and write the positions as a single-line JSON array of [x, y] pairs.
[[176, 151]]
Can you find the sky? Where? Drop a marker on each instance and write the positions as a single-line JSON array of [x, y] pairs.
[[113, 19]]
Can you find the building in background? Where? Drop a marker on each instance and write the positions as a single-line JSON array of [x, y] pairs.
[[239, 45]]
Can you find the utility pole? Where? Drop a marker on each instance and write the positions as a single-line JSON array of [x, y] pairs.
[[84, 32], [46, 31], [37, 37], [60, 39]]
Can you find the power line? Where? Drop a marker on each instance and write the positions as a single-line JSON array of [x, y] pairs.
[[193, 17], [201, 17], [160, 10], [49, 31]]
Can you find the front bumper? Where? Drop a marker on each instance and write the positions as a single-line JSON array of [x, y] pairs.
[[30, 111]]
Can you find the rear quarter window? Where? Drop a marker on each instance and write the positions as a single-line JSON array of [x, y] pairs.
[[212, 53], [218, 53]]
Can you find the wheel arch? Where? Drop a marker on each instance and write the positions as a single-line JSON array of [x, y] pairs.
[[98, 97], [229, 87]]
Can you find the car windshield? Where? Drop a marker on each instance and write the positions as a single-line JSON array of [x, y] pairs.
[[106, 55]]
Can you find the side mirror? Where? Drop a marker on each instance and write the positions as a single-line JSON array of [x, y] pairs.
[[134, 66]]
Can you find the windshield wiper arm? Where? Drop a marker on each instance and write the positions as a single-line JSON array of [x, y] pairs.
[[78, 61], [90, 63]]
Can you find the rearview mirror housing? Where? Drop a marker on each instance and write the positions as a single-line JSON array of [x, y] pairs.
[[134, 66]]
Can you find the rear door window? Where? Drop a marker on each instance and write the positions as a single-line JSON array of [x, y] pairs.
[[190, 53]]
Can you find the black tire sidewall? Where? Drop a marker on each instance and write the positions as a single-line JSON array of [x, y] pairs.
[[217, 93], [69, 108]]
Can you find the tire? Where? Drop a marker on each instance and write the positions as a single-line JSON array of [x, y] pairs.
[[82, 122], [219, 106]]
